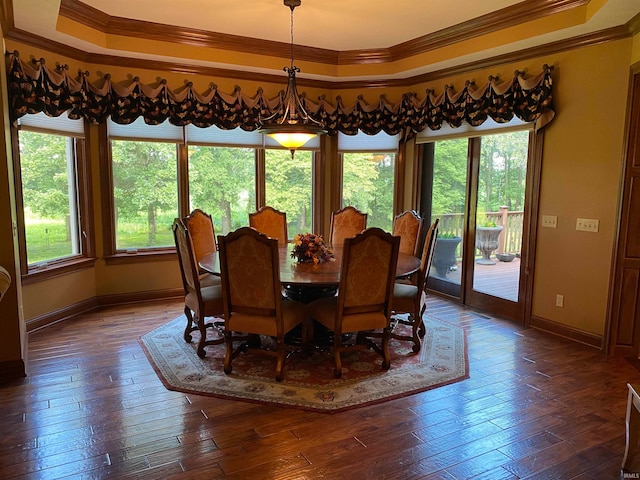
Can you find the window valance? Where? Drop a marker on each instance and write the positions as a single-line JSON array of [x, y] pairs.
[[35, 88]]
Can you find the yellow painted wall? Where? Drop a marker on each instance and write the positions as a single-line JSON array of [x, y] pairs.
[[582, 165], [58, 293], [581, 173], [635, 52]]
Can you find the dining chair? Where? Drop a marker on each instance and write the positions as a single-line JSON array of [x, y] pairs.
[[346, 223], [363, 303], [271, 222], [411, 298], [408, 226], [203, 301], [252, 298], [203, 238]]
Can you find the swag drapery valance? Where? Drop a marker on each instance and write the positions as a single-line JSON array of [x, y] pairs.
[[35, 88]]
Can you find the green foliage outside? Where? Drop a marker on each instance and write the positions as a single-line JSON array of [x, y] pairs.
[[145, 191], [367, 184], [222, 183], [45, 161], [288, 187], [503, 171], [501, 182]]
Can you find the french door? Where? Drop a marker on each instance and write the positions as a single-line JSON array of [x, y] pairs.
[[480, 189]]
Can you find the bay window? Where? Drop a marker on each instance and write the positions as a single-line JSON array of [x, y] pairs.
[[52, 175]]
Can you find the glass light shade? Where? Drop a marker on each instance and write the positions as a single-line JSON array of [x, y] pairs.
[[292, 140]]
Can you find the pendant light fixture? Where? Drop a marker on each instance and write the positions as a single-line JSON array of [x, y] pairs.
[[291, 126]]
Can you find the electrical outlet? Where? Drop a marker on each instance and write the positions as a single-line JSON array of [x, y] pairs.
[[587, 224], [550, 221], [559, 300]]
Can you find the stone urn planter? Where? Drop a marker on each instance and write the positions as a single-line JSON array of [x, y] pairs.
[[444, 254], [487, 242]]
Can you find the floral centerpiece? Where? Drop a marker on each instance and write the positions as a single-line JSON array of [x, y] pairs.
[[309, 247]]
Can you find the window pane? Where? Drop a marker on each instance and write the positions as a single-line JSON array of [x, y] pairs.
[[448, 204], [145, 190], [500, 213], [288, 187], [222, 183], [48, 195], [367, 184]]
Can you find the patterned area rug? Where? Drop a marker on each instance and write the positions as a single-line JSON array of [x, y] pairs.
[[308, 376]]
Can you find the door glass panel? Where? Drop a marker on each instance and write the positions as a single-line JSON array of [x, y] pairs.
[[501, 195], [448, 204]]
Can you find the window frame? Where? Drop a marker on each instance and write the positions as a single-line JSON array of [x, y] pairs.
[[84, 205], [359, 144], [114, 256]]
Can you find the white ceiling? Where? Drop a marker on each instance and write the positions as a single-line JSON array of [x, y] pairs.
[[331, 24]]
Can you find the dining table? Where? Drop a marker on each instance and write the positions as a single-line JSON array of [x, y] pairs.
[[306, 282], [310, 276]]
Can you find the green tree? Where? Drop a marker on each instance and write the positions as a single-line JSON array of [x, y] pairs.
[[288, 186], [44, 170], [222, 183], [449, 177], [503, 170], [144, 182]]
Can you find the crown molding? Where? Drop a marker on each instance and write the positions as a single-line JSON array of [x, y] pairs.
[[90, 17], [608, 35], [633, 25], [516, 14]]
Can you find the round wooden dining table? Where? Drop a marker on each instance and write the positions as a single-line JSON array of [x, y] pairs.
[[294, 274], [306, 282]]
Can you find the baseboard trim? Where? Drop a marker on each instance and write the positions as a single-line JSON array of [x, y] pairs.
[[137, 297], [51, 318], [12, 370], [555, 328]]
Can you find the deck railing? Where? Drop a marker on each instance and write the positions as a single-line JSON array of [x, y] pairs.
[[510, 240]]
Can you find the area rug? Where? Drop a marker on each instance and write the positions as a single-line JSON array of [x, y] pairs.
[[308, 376]]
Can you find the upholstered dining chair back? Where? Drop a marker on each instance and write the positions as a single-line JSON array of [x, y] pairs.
[[203, 301], [411, 298], [252, 299], [427, 254], [203, 240], [346, 223], [250, 271], [363, 304], [202, 233], [368, 273], [408, 226], [271, 222], [188, 265]]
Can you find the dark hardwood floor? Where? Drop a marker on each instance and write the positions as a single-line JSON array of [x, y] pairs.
[[536, 406]]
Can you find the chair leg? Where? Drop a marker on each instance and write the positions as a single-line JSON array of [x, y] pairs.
[[203, 336], [386, 359], [280, 360], [337, 346], [228, 337], [190, 326], [415, 325]]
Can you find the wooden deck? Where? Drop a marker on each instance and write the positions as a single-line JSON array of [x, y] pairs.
[[500, 280], [535, 407]]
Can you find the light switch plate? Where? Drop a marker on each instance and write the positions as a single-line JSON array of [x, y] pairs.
[[587, 224], [550, 221]]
